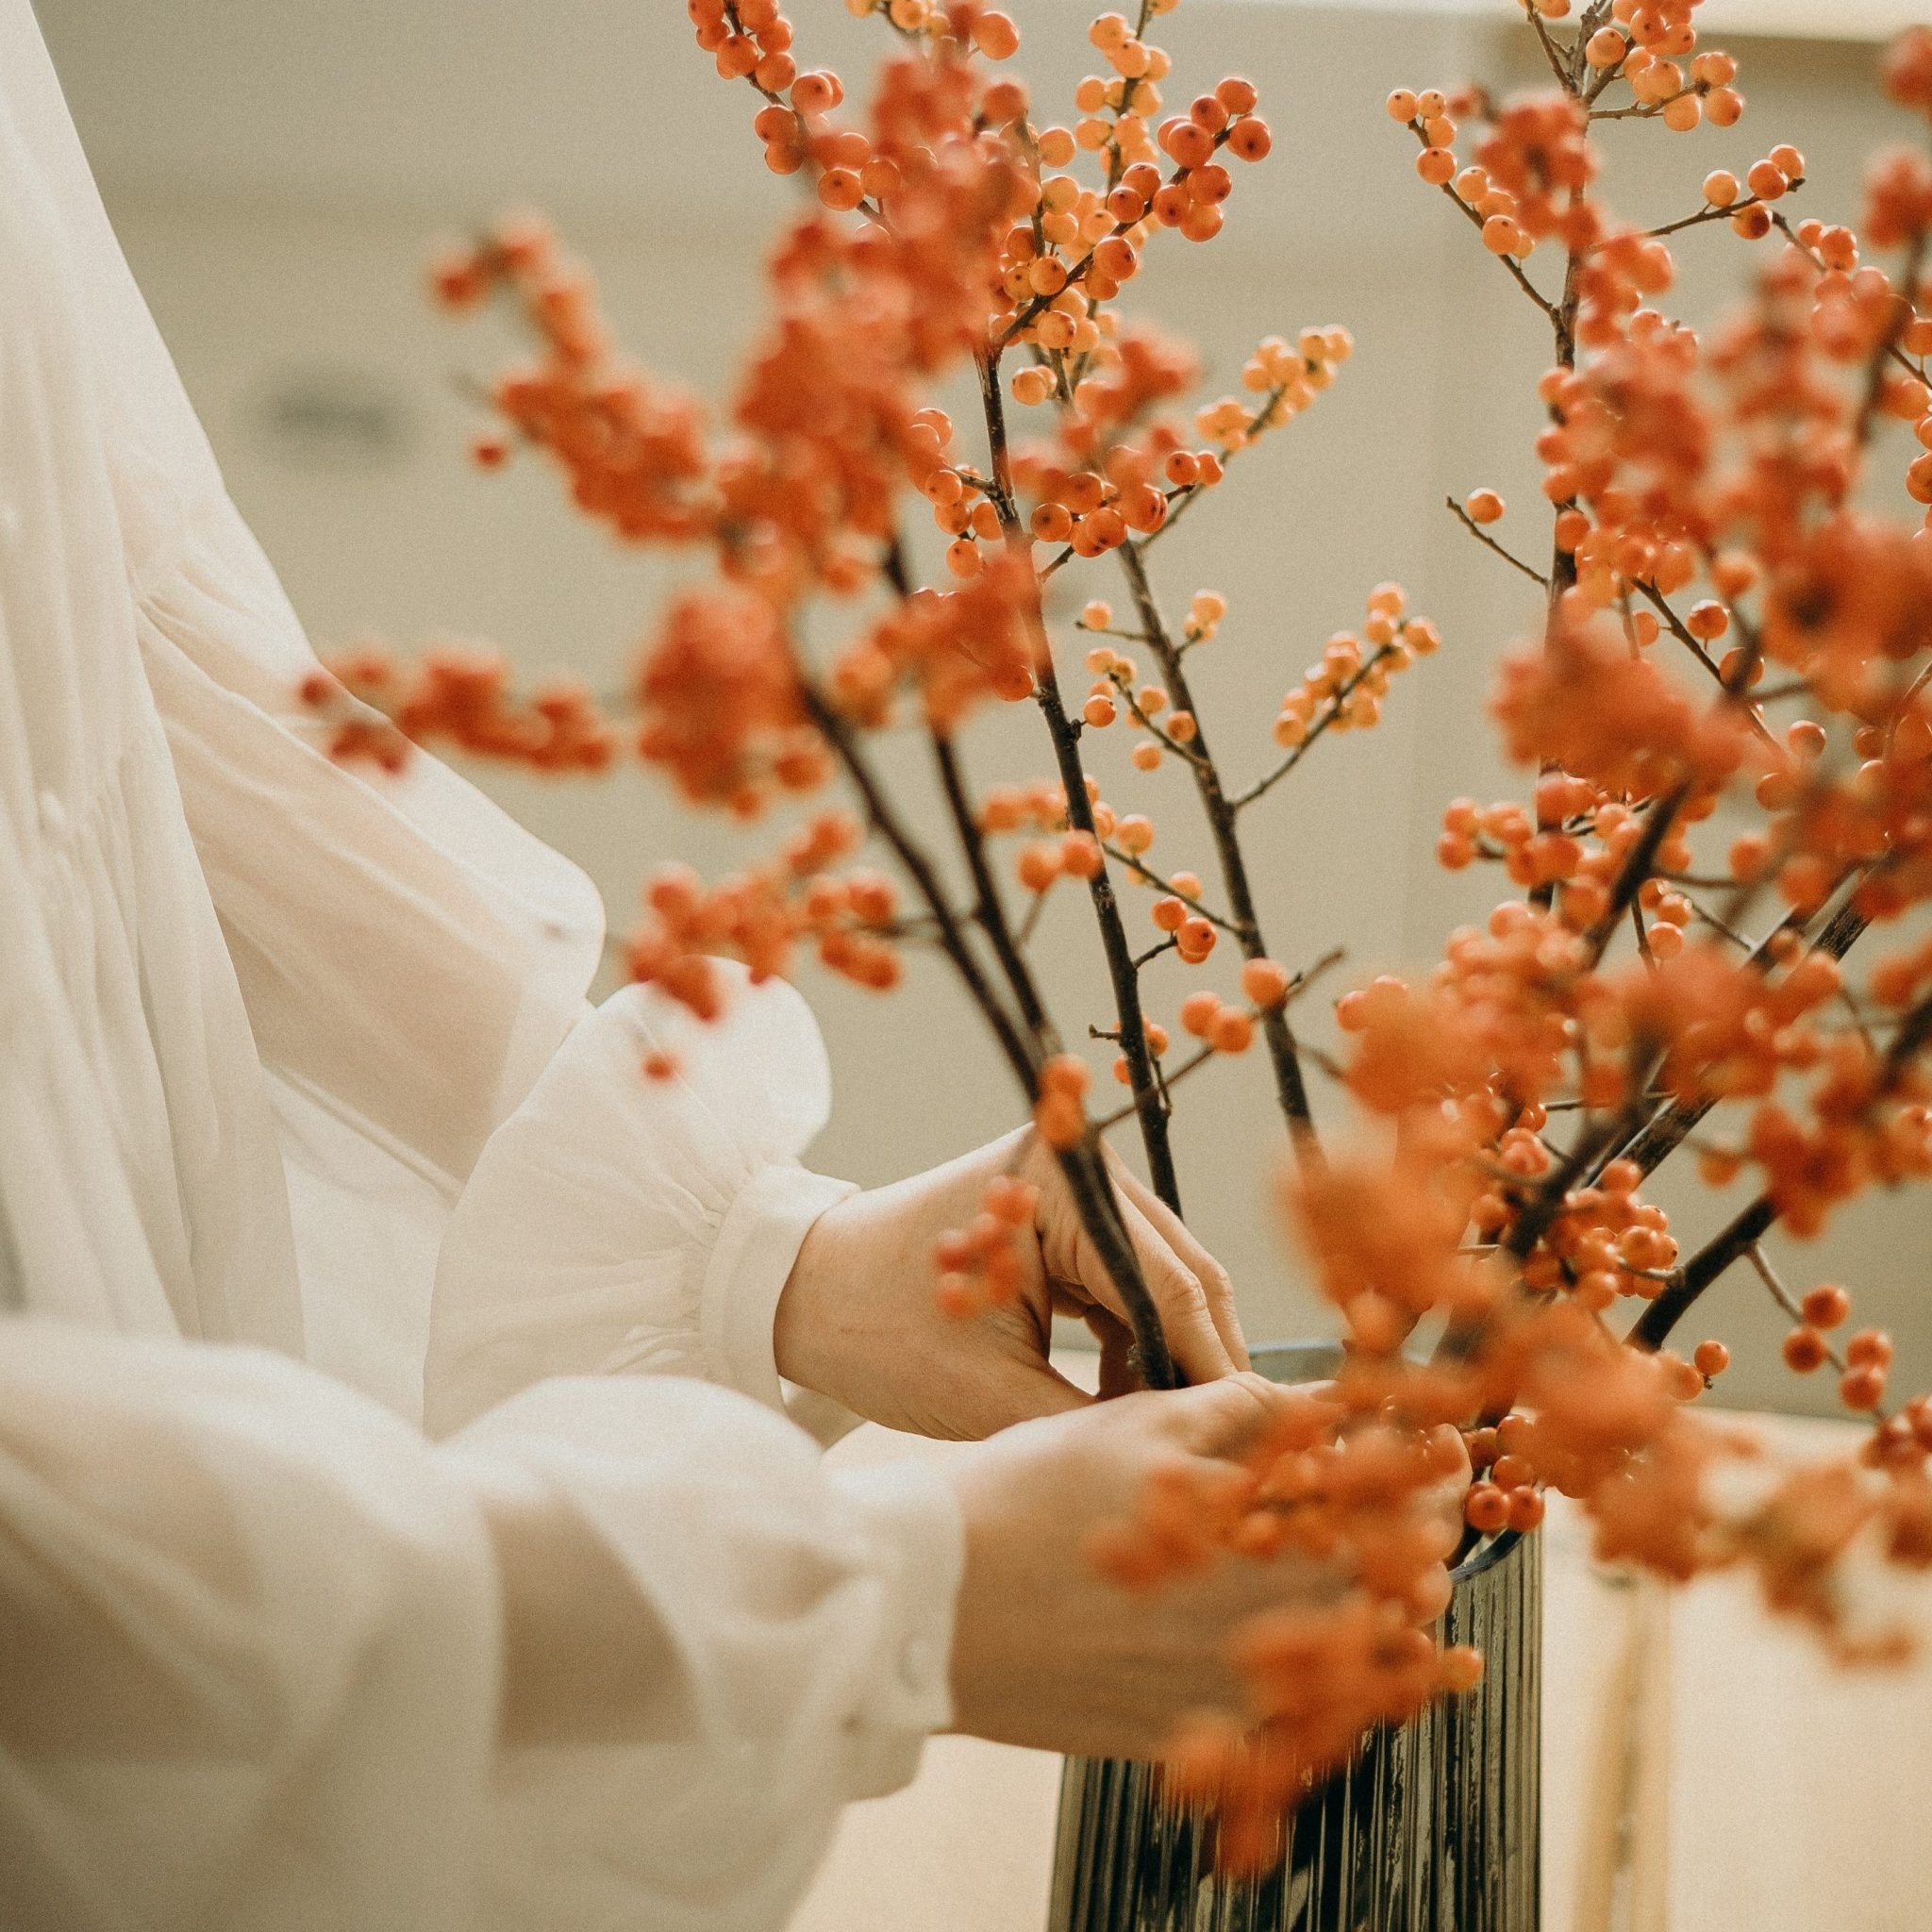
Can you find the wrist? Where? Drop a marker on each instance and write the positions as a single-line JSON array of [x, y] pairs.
[[801, 1319]]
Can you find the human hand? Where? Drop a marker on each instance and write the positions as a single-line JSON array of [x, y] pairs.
[[859, 1321], [1047, 1651]]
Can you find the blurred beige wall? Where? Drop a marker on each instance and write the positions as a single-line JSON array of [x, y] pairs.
[[279, 171]]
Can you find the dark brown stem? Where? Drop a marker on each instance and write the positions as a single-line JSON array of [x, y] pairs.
[[1668, 1129], [1289, 1086], [1085, 1168], [1901, 314], [1121, 969], [1482, 536], [989, 910], [1153, 878], [1083, 1164], [1653, 1328], [1709, 214], [1065, 734], [839, 734], [1270, 779], [1637, 869]]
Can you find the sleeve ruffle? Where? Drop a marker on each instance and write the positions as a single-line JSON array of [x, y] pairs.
[[621, 1223]]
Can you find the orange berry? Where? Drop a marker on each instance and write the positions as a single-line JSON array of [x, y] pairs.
[[1170, 914], [1484, 506], [1861, 1389], [1065, 1072], [1712, 1359], [1827, 1306], [1486, 1508], [1803, 1350], [995, 36], [1870, 1348], [1525, 1511], [1249, 139], [840, 187], [816, 93], [1060, 1119], [1198, 1012], [1081, 857], [1233, 1031], [1265, 982], [1196, 937], [1039, 866]]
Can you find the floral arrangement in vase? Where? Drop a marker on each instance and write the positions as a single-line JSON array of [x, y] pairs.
[[1723, 727]]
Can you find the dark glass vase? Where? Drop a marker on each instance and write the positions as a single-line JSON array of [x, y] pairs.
[[1432, 1828]]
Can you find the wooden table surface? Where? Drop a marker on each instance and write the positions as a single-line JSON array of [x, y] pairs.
[[1705, 1770]]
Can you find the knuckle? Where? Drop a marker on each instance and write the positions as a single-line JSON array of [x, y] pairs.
[[1185, 1293]]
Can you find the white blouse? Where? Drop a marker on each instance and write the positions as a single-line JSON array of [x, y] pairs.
[[281, 1046]]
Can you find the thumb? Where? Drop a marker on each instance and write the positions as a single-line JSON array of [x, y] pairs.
[[1223, 1417], [1026, 1390]]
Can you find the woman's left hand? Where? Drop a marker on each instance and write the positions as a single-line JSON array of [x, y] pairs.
[[859, 1320]]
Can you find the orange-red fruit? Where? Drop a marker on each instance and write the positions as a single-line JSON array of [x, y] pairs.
[[995, 36], [1861, 1389], [1825, 1307], [1870, 1348], [1198, 1011], [1249, 139], [1233, 1031], [1803, 1350], [1265, 982], [1712, 1359], [1526, 1509], [1486, 1508], [1196, 937]]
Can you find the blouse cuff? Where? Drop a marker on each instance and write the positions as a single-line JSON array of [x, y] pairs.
[[919, 1544], [750, 1262]]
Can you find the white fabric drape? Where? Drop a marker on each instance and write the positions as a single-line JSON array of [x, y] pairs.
[[258, 1612]]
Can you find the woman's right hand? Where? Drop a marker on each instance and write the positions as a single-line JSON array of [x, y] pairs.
[[1047, 1651]]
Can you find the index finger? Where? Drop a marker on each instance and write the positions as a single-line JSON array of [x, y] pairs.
[[1205, 1269]]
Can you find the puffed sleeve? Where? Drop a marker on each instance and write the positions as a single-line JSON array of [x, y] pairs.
[[618, 1222], [273, 1641]]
